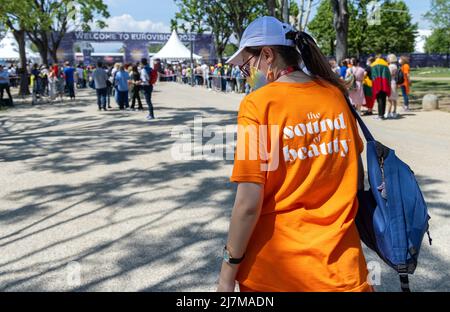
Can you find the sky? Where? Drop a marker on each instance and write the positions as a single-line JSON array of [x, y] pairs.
[[155, 15]]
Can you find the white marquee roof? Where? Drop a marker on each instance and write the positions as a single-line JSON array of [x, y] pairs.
[[9, 49], [174, 49]]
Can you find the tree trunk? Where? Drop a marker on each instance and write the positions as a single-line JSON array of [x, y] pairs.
[[341, 18], [271, 7], [19, 35], [301, 12], [40, 39], [54, 55], [286, 11]]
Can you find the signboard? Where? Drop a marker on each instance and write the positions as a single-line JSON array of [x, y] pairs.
[[135, 43]]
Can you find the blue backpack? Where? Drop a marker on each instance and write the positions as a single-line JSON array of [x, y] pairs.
[[392, 217]]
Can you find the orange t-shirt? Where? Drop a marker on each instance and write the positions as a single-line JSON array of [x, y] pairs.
[[406, 69], [306, 238]]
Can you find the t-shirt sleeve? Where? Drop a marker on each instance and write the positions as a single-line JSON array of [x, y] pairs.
[[359, 142], [247, 159]]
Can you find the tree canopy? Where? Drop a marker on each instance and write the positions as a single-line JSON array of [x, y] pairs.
[[439, 16], [395, 34]]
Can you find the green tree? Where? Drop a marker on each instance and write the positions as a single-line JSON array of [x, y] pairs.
[[321, 28], [199, 16], [56, 17], [396, 33], [240, 13], [438, 42], [439, 16], [18, 17]]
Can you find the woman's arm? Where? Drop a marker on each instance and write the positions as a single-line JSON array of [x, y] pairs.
[[246, 212]]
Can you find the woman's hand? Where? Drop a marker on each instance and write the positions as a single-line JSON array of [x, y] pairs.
[[226, 286]]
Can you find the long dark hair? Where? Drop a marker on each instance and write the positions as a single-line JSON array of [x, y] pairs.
[[306, 50]]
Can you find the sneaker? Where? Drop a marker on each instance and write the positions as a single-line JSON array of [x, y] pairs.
[[150, 117]]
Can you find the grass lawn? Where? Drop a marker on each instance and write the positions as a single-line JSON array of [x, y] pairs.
[[431, 72], [439, 87]]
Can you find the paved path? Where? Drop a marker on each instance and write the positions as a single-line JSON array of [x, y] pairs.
[[101, 193]]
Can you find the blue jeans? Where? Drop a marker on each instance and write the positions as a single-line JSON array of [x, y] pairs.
[[71, 89], [148, 98], [122, 97], [101, 97], [405, 96]]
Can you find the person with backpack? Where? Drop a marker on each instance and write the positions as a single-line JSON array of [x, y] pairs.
[[356, 92], [406, 85], [298, 169], [147, 86], [392, 107]]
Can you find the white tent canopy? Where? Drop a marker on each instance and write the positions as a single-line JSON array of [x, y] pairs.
[[9, 50], [174, 49]]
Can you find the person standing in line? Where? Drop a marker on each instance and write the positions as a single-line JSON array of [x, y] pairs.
[[69, 73], [343, 69], [60, 81], [334, 67], [367, 87], [392, 107], [44, 78], [5, 85], [357, 93], [52, 83], [381, 84], [147, 87], [35, 83], [100, 78], [205, 71], [13, 76], [136, 88], [114, 72], [80, 76], [406, 85], [122, 80]]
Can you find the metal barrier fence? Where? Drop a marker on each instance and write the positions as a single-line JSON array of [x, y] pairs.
[[214, 82]]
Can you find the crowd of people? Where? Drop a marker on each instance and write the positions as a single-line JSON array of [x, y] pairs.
[[219, 77], [123, 82], [381, 80]]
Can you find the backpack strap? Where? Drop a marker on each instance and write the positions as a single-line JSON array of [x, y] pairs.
[[365, 130], [404, 282]]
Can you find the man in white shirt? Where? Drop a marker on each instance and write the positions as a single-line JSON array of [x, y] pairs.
[[147, 86]]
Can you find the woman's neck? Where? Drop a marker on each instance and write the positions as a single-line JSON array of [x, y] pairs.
[[297, 76]]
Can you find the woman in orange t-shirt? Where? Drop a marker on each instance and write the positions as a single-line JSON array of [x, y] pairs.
[[406, 86], [298, 169]]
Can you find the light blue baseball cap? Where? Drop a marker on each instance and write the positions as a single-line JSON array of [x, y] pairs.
[[263, 31]]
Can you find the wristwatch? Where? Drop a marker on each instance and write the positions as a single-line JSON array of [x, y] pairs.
[[229, 259]]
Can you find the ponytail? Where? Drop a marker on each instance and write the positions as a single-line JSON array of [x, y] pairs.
[[314, 60]]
